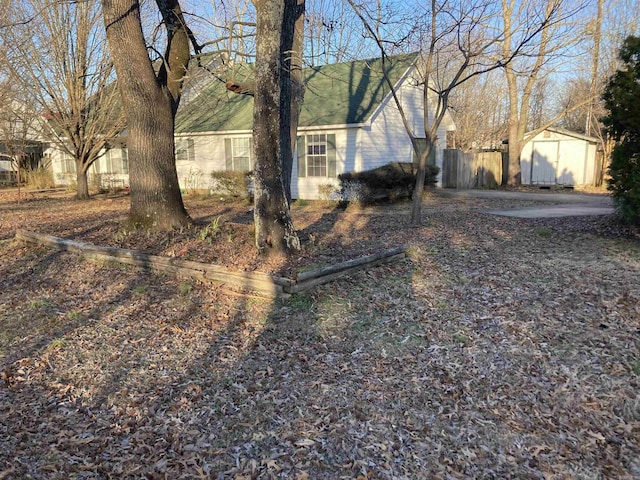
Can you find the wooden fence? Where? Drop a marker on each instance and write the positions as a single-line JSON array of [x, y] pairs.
[[470, 170], [244, 282]]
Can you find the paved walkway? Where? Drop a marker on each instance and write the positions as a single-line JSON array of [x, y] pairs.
[[567, 204]]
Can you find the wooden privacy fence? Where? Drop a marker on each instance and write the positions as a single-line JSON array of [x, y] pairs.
[[253, 282], [469, 170]]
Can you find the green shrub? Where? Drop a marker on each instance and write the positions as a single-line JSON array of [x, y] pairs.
[[232, 183], [624, 181], [393, 181]]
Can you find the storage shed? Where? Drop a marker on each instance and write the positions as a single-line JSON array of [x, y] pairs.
[[559, 157]]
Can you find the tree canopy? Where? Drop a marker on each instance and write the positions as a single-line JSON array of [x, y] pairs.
[[622, 94]]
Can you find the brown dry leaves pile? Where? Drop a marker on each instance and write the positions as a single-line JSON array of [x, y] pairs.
[[502, 348]]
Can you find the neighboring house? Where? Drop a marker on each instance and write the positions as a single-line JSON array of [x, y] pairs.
[[111, 170], [25, 153], [559, 157], [8, 169], [349, 122]]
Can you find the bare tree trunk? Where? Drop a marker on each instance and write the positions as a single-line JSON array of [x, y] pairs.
[[416, 199], [82, 187], [150, 104], [292, 84], [514, 173], [272, 217], [59, 66]]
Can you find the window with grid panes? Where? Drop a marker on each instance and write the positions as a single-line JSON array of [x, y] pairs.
[[117, 161], [317, 155], [185, 150], [68, 163], [241, 153]]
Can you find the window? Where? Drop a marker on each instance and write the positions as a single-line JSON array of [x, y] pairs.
[[117, 161], [185, 150], [317, 155], [241, 153], [238, 153], [68, 164]]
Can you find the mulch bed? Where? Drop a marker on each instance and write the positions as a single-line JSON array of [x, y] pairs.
[[502, 348]]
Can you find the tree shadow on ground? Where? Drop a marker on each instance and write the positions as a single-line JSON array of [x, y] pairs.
[[438, 366]]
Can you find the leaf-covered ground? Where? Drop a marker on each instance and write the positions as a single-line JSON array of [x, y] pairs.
[[502, 348]]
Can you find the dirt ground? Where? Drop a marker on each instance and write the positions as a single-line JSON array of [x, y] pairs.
[[501, 348]]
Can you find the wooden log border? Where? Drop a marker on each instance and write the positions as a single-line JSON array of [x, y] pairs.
[[249, 282]]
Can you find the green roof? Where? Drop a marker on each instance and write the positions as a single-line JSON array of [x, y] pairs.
[[342, 93]]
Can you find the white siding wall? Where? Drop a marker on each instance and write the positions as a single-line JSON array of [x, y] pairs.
[[347, 159], [387, 140], [97, 172], [209, 156], [57, 160]]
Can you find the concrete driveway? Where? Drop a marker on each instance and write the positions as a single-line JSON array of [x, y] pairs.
[[565, 204]]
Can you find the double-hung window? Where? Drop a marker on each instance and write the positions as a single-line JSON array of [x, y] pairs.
[[68, 163], [238, 153], [317, 155], [116, 161], [185, 150]]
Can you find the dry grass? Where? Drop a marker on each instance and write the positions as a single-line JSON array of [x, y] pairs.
[[495, 351]]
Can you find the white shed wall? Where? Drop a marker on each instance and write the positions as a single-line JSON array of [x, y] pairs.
[[555, 158]]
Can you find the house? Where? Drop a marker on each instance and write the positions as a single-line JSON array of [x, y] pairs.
[[559, 157], [349, 122], [111, 170], [22, 153], [8, 170]]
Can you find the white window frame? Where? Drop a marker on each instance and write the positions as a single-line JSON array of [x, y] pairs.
[[185, 150], [316, 153], [117, 161], [67, 163], [241, 153]]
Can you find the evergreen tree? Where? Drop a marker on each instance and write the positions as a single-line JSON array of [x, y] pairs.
[[622, 99]]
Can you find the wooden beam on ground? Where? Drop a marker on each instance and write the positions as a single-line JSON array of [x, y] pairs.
[[349, 264], [313, 278], [243, 281]]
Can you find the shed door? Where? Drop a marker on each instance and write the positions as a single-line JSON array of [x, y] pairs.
[[545, 163], [572, 162]]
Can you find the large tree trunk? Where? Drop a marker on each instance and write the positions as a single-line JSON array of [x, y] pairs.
[[150, 110], [292, 94], [82, 185], [517, 114], [273, 226]]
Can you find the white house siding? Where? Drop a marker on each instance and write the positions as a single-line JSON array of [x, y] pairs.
[[64, 171], [387, 141], [553, 157], [347, 160], [209, 156]]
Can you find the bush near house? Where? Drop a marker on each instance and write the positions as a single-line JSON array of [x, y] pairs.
[[232, 183], [37, 178], [389, 182]]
